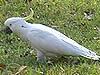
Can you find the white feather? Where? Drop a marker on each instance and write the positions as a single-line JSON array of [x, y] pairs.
[[49, 41]]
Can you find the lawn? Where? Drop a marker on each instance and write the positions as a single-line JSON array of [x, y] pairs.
[[77, 19]]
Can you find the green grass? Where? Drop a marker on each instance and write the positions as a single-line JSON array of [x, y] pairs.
[[68, 16]]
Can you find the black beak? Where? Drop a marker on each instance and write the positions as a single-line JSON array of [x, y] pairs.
[[7, 30]]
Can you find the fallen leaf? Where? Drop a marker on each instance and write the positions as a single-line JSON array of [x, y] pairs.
[[2, 66], [21, 70]]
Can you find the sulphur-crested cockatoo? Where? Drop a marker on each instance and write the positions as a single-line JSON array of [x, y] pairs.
[[47, 41]]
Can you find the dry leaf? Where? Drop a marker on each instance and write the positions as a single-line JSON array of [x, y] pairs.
[[21, 70], [2, 66]]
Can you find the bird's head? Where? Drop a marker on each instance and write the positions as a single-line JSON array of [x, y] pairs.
[[14, 24]]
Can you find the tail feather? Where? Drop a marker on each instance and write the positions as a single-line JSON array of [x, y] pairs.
[[90, 55], [96, 57]]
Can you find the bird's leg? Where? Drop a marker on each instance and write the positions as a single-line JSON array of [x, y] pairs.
[[40, 56], [41, 62]]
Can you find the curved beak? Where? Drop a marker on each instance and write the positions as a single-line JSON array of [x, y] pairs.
[[7, 30]]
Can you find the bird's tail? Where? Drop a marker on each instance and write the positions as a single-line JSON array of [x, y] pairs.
[[89, 54]]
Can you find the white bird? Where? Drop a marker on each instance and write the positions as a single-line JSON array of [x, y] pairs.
[[47, 41]]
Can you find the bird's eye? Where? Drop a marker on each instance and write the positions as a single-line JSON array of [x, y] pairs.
[[22, 26], [10, 24]]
